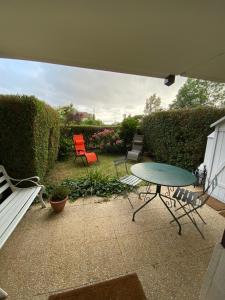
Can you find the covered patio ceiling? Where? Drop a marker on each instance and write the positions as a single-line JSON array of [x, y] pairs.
[[152, 38]]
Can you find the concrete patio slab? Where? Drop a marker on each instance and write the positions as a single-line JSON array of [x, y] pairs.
[[93, 240]]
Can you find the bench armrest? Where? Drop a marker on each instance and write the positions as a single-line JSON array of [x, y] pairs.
[[29, 178]]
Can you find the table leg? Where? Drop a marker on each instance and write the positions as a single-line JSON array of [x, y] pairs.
[[143, 205], [174, 217]]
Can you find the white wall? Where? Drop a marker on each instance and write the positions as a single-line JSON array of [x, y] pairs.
[[215, 159]]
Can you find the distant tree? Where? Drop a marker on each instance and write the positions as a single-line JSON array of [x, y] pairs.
[[138, 118], [92, 122], [66, 112], [152, 104], [197, 92]]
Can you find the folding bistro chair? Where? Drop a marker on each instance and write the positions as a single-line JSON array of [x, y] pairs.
[[192, 201], [80, 150], [130, 180]]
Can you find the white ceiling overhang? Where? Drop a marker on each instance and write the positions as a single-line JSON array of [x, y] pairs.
[[152, 38]]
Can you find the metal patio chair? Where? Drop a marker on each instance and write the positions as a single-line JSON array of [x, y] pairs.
[[130, 180], [193, 201], [137, 147]]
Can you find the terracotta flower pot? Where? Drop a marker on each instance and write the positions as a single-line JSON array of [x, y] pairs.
[[58, 206]]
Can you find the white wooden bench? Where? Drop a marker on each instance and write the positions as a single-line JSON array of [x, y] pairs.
[[14, 207]]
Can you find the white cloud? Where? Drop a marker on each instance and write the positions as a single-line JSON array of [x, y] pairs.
[[110, 94]]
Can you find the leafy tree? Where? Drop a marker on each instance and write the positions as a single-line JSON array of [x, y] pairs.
[[152, 104], [66, 112], [127, 129], [197, 92]]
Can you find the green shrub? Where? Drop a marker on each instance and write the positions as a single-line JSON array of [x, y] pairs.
[[94, 183], [29, 136], [107, 141], [179, 137], [127, 129], [66, 147]]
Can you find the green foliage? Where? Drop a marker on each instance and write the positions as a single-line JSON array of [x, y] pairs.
[[66, 147], [66, 136], [107, 141], [94, 183], [59, 193], [29, 136], [92, 122], [153, 104], [178, 137], [65, 112], [197, 92], [128, 129]]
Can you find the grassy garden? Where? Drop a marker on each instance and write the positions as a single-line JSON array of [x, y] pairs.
[[98, 179]]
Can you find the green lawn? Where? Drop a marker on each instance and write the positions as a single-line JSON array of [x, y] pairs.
[[71, 169]]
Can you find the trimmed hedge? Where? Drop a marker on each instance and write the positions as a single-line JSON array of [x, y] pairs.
[[29, 136], [179, 137]]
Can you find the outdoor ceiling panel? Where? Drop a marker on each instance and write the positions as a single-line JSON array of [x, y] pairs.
[[153, 38]]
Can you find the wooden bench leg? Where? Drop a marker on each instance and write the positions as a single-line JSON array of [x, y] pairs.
[[3, 294], [43, 205]]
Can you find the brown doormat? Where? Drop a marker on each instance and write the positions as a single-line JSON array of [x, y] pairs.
[[215, 204], [122, 288]]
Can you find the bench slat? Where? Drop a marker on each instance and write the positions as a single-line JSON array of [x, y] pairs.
[[7, 201], [2, 179], [15, 205], [12, 225], [4, 187]]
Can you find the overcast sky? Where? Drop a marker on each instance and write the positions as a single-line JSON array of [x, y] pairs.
[[110, 94]]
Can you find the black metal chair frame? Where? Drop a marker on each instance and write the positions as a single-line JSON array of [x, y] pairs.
[[193, 201]]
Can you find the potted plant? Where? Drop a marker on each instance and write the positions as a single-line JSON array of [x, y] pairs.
[[58, 198]]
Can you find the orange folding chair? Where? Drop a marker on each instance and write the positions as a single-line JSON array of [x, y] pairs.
[[80, 150]]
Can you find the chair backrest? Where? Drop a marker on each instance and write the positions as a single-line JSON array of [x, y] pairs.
[[79, 144], [137, 143], [138, 138], [120, 162]]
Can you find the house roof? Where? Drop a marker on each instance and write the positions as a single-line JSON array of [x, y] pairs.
[[221, 120], [153, 38]]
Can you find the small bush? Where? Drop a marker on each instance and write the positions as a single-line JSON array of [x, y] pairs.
[[107, 141], [94, 184], [66, 147], [178, 137], [127, 130]]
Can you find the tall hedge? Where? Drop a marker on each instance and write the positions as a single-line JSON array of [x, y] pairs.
[[29, 135], [179, 137]]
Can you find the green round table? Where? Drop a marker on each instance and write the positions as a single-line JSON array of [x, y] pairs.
[[162, 175]]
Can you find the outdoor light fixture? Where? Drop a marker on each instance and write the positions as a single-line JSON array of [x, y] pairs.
[[170, 79]]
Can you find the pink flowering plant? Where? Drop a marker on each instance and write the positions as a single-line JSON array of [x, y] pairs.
[[107, 140]]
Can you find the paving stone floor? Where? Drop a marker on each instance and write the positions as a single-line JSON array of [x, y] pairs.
[[94, 240]]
